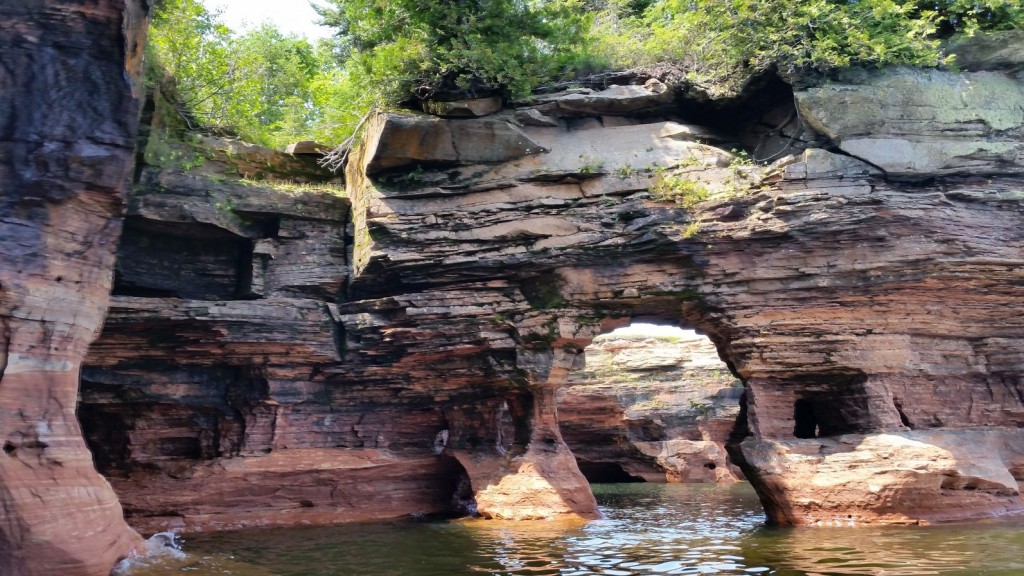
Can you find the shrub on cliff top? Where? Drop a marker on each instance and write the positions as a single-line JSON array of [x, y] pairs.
[[716, 41], [429, 48], [270, 88], [261, 85]]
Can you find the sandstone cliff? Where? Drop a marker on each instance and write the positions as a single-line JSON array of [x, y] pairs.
[[870, 304], [417, 333], [68, 99], [281, 355]]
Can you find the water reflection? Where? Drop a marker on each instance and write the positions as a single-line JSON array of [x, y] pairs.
[[647, 529], [991, 548]]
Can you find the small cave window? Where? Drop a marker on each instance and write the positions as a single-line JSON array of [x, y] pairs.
[[805, 422], [832, 405]]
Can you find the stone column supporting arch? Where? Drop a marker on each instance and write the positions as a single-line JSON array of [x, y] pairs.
[[68, 91]]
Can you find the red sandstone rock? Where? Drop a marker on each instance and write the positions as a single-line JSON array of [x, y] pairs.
[[849, 304], [70, 77], [867, 317], [853, 307], [287, 487], [831, 292]]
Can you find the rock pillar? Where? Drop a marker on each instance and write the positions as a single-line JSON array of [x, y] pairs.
[[69, 96], [542, 479]]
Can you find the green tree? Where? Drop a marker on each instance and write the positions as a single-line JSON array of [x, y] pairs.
[[270, 88], [258, 85], [188, 59], [429, 48], [721, 42]]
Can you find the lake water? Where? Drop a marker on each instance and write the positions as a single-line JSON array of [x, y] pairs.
[[647, 529]]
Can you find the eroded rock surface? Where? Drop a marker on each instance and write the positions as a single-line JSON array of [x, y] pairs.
[[223, 311], [66, 136], [864, 315], [851, 304], [921, 124]]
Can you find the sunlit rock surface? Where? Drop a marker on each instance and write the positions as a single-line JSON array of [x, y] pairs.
[[920, 124]]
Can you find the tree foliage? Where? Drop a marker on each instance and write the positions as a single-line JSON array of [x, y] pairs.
[[258, 85], [716, 40], [429, 47]]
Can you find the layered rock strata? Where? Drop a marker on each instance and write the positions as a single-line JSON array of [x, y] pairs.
[[303, 348], [223, 311], [866, 287], [862, 308], [68, 126], [656, 407]]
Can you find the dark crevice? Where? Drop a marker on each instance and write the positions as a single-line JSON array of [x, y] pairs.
[[903, 416], [606, 473], [245, 272], [805, 424], [834, 148], [520, 410], [740, 428], [338, 335]]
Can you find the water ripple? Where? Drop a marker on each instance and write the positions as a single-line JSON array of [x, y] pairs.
[[647, 529]]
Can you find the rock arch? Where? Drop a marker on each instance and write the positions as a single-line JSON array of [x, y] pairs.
[[653, 403], [885, 247], [821, 282]]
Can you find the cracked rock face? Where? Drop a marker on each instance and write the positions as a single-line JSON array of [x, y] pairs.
[[921, 124]]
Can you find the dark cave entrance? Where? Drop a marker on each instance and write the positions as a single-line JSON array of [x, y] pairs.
[[650, 403], [501, 425], [832, 405], [456, 490], [805, 423], [606, 473]]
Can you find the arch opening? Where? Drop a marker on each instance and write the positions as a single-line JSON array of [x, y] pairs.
[[651, 402]]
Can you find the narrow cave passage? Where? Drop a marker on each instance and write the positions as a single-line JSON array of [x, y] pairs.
[[651, 404], [457, 489]]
